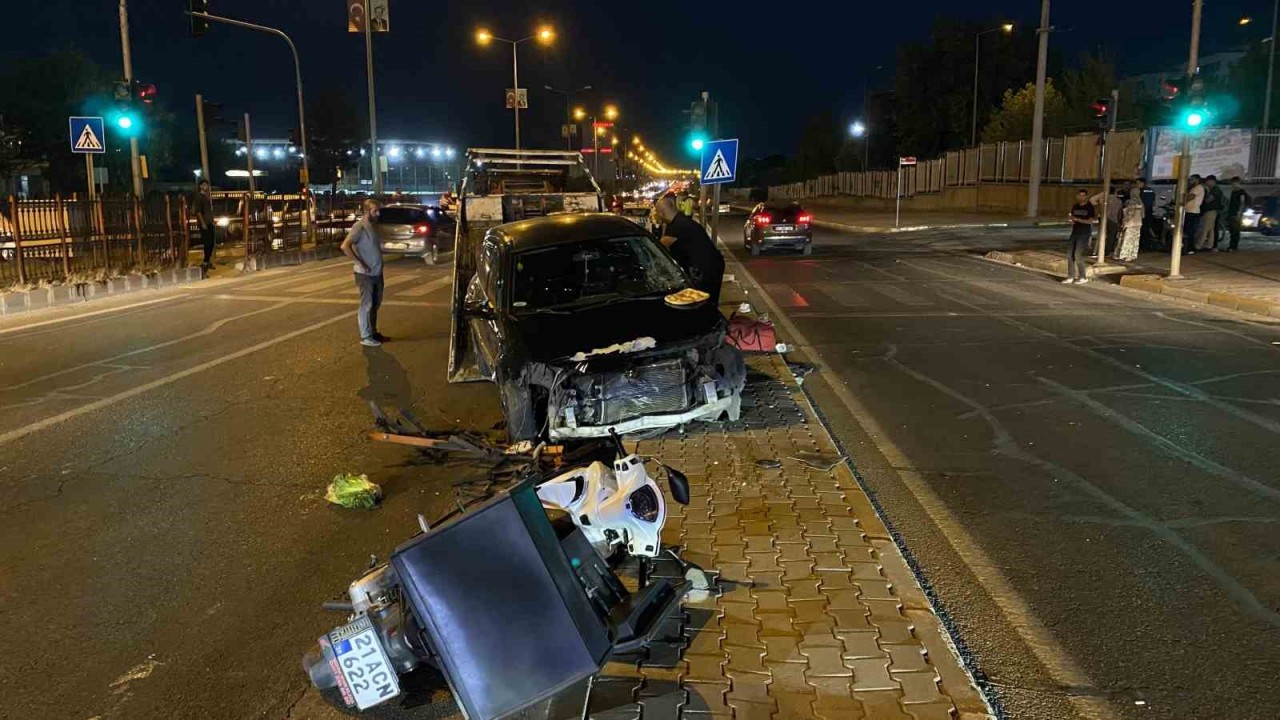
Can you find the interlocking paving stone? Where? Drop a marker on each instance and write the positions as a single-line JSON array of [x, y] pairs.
[[801, 620]]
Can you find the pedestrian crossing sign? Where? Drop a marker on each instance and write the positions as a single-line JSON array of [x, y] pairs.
[[88, 135], [719, 162]]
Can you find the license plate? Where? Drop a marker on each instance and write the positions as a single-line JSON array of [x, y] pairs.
[[784, 228], [397, 246], [365, 676]]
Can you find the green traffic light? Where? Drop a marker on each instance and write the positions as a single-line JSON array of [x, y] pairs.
[[124, 122], [696, 143], [1194, 119]]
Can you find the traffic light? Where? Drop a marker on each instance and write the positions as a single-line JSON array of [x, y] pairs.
[[1196, 113], [697, 141], [126, 121], [1104, 112], [145, 93], [199, 26]]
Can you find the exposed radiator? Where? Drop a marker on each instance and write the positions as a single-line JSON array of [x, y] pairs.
[[658, 388]]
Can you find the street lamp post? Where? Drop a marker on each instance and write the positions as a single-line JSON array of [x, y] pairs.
[[977, 46], [545, 35], [568, 111], [858, 130]]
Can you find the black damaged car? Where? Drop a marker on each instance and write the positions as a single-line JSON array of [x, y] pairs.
[[575, 318]]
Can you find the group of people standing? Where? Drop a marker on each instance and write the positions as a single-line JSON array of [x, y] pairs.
[[1209, 212]]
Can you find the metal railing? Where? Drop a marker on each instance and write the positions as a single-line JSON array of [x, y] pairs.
[[76, 239]]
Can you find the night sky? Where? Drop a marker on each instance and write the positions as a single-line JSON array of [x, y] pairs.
[[769, 64]]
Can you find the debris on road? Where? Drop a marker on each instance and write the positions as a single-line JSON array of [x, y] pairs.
[[353, 492], [820, 461]]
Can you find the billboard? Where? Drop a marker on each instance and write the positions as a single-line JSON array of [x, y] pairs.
[[358, 11], [1217, 151]]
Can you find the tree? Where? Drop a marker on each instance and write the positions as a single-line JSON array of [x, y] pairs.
[[819, 143], [1014, 118], [1092, 78], [333, 134]]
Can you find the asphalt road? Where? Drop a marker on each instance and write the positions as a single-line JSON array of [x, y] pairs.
[[164, 540], [1086, 477]]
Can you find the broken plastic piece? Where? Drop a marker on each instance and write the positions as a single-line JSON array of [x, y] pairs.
[[820, 461], [630, 346], [353, 492], [769, 463]]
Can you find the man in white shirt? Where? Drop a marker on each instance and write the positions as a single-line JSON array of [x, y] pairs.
[[1191, 221]]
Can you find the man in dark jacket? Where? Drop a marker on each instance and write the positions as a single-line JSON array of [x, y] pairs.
[[1239, 201], [691, 247], [202, 208]]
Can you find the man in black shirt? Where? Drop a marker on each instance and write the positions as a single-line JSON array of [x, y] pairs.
[[691, 247], [202, 209], [1083, 217], [1239, 202]]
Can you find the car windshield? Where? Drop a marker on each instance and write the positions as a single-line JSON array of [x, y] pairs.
[[401, 215], [577, 274]]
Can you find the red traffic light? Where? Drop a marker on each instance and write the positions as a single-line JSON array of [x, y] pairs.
[[1169, 90], [1101, 107], [144, 92]]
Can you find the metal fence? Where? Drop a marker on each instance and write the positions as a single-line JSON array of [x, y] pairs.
[[1075, 158], [60, 239]]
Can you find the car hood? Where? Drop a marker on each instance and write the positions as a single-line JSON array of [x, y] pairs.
[[549, 337]]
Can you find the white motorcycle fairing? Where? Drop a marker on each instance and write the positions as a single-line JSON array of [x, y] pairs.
[[618, 506]]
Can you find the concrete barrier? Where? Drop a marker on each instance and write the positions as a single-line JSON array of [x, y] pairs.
[[12, 303]]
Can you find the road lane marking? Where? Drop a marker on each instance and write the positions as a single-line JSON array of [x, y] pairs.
[[350, 302], [19, 433], [321, 285], [894, 292], [209, 329], [80, 316], [1033, 633]]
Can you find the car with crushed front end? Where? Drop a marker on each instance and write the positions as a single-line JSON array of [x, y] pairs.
[[576, 318]]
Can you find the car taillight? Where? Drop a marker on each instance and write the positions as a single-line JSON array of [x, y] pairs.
[[761, 219], [805, 218], [421, 229]]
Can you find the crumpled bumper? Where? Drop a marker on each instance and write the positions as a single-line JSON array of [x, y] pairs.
[[709, 411]]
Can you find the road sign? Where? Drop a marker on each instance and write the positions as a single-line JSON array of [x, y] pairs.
[[719, 162], [520, 95], [88, 135], [904, 162]]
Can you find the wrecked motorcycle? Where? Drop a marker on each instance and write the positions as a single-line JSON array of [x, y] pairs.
[[513, 600]]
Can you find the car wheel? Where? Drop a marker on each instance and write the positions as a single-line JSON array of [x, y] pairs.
[[808, 250], [433, 255]]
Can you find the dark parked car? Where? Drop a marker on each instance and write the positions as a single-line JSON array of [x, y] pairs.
[[778, 224], [415, 230], [573, 317]]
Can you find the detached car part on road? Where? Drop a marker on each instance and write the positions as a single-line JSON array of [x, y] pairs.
[[571, 316]]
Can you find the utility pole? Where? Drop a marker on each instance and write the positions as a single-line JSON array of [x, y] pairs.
[[1106, 177], [1271, 68], [248, 153], [126, 50], [702, 189], [373, 110], [1184, 161], [515, 82], [713, 119], [1037, 122], [204, 141]]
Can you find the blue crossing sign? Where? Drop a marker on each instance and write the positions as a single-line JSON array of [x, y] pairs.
[[719, 162], [88, 135]]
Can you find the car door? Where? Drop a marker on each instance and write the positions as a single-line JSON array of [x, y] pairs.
[[483, 293], [751, 219]]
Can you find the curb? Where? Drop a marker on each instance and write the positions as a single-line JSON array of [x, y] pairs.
[[12, 303], [292, 257], [1160, 286], [908, 228], [1050, 263]]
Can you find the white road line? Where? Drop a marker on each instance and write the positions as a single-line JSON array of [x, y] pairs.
[[210, 329], [427, 288], [49, 422], [893, 292], [79, 316], [1033, 633], [321, 285], [350, 301]]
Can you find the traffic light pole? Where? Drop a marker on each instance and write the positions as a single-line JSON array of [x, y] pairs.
[[1037, 122], [297, 75], [1184, 160], [248, 154], [135, 164], [1106, 177]]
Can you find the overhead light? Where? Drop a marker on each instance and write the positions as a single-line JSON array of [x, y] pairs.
[[435, 152]]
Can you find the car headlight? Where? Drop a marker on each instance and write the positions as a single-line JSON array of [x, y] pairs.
[[1269, 222], [222, 222]]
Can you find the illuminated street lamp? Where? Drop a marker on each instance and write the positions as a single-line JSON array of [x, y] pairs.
[[545, 35], [857, 129], [977, 45]]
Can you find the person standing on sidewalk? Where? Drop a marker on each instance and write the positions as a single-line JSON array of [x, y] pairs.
[[1239, 202], [1191, 218], [362, 246], [1084, 215], [692, 248], [1209, 209], [1131, 221], [202, 205]]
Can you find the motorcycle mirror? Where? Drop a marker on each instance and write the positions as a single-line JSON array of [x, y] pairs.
[[679, 485]]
